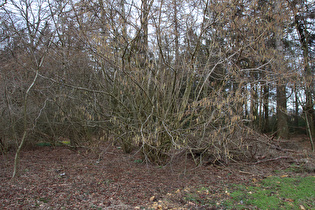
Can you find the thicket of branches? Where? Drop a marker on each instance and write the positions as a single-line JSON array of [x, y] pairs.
[[161, 77]]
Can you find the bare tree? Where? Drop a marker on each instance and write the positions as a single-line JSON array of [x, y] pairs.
[[162, 77], [28, 20]]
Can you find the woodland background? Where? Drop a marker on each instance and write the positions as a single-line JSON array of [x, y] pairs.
[[200, 77]]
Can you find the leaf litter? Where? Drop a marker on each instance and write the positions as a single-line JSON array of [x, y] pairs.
[[56, 178]]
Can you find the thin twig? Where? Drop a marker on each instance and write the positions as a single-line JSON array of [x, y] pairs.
[[273, 159]]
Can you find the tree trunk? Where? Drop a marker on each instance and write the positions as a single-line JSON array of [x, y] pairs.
[[176, 35], [253, 105], [266, 108], [144, 26], [296, 103], [282, 123]]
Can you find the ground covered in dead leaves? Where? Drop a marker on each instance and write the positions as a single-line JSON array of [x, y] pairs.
[[62, 178]]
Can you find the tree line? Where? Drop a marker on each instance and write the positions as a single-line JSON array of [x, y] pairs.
[[165, 78]]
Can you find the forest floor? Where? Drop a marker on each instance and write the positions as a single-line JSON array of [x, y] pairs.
[[106, 178]]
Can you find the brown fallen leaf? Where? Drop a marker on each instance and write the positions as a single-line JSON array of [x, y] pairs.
[[288, 200], [152, 198]]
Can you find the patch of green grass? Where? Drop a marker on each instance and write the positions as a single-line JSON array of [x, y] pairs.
[[275, 193], [65, 142], [270, 193], [44, 144], [48, 144], [294, 168], [138, 161]]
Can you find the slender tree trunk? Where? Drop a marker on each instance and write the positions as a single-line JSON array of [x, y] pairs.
[[296, 103], [176, 35], [144, 26], [282, 119], [282, 123], [246, 114], [266, 108], [17, 153], [123, 14], [261, 116], [253, 105]]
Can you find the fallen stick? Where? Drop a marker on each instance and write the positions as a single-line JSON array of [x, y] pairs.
[[273, 159]]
